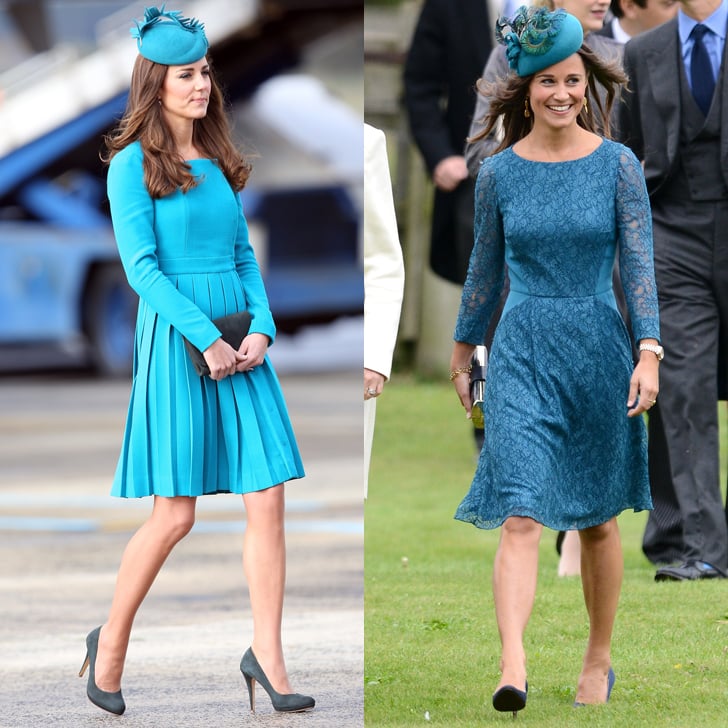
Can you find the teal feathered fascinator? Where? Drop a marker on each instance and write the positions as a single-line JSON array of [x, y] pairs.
[[536, 38], [166, 37]]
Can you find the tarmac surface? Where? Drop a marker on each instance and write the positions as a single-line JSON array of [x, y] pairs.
[[62, 535]]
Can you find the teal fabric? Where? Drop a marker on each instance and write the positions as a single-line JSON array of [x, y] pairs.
[[189, 258], [559, 447], [168, 38], [538, 38]]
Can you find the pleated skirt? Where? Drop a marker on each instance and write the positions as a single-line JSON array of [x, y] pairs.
[[188, 435]]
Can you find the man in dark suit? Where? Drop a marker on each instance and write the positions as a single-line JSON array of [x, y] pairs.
[[675, 118], [451, 42]]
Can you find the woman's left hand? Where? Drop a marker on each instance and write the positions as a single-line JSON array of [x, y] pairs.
[[644, 385], [252, 352]]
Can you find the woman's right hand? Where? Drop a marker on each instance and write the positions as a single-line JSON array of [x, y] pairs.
[[462, 356], [221, 358], [462, 387]]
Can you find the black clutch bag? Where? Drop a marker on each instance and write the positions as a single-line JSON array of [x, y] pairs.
[[234, 328], [477, 385]]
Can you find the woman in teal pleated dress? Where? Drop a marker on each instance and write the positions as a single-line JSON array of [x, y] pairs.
[[173, 184], [565, 443]]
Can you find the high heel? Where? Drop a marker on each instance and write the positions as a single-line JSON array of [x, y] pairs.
[[509, 698], [113, 702], [611, 679], [284, 703]]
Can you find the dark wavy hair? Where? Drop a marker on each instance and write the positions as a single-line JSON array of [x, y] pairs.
[[164, 170], [508, 97]]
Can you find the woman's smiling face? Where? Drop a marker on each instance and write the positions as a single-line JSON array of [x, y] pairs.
[[556, 94]]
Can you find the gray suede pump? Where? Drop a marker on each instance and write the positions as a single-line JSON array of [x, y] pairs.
[[113, 702], [284, 703]]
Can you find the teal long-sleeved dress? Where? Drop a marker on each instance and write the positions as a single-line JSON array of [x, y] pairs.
[[559, 447], [188, 257]]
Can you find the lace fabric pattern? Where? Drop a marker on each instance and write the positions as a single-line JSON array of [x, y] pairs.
[[559, 446]]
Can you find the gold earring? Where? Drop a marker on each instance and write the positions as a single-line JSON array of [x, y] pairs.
[[586, 105], [526, 110]]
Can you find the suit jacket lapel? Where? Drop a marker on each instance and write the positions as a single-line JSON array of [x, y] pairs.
[[666, 85]]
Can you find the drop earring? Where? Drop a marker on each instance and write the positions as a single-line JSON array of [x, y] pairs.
[[526, 110], [586, 106]]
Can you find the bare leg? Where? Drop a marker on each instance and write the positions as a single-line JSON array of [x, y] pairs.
[[264, 562], [171, 520], [514, 588], [601, 576], [570, 561]]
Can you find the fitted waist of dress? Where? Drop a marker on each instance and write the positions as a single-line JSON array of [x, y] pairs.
[[608, 291], [516, 297], [182, 266]]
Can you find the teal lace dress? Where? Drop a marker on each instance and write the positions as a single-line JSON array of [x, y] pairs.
[[188, 257], [559, 447]]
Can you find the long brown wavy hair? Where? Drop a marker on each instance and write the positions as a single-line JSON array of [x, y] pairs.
[[509, 95], [164, 170]]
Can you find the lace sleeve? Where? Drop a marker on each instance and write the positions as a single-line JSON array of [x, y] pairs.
[[634, 225], [485, 278]]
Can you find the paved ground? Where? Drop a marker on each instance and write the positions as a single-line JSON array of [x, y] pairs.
[[61, 537]]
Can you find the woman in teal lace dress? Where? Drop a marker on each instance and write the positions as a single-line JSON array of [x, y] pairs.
[[564, 438], [173, 184]]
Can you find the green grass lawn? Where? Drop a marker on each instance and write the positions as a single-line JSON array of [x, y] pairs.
[[431, 645]]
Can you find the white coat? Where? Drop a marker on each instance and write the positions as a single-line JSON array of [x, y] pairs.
[[383, 272]]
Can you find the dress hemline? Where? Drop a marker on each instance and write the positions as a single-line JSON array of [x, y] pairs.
[[244, 491], [493, 523]]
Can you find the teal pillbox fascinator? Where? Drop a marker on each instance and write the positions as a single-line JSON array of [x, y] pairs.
[[536, 38], [166, 37]]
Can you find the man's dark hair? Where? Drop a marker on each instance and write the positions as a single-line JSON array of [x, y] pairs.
[[616, 7]]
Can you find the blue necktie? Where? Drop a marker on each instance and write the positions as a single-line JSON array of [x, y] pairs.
[[701, 70]]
